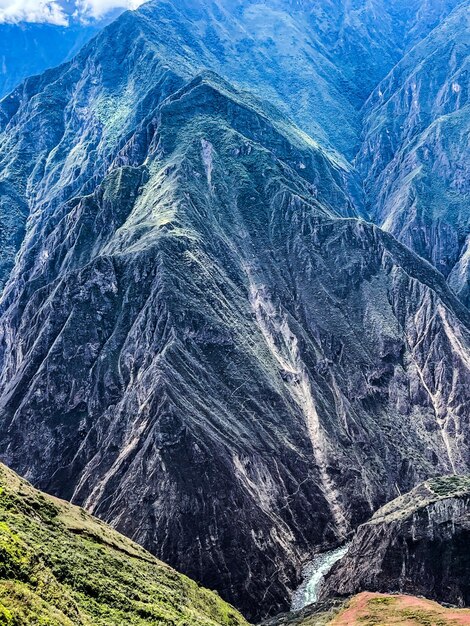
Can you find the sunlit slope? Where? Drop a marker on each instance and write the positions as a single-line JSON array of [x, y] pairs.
[[61, 567]]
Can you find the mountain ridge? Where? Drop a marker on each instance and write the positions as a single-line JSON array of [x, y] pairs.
[[415, 148], [201, 323]]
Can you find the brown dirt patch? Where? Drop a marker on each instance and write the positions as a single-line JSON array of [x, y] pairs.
[[376, 609]]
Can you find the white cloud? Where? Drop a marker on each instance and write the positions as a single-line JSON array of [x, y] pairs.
[[12, 11], [52, 11], [98, 8]]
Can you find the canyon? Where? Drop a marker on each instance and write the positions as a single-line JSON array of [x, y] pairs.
[[234, 262]]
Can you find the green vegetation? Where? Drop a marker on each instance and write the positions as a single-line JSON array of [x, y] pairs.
[[447, 486], [61, 567], [452, 486], [382, 601]]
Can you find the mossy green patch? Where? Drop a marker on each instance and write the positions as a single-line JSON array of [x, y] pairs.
[[61, 567], [448, 486], [433, 490], [382, 601]]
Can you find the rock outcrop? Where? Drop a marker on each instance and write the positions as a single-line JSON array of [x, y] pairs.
[[418, 543]]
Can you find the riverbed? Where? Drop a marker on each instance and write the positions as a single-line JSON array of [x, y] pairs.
[[314, 574]]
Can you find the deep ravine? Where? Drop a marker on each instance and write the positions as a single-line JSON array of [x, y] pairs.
[[314, 575], [209, 337]]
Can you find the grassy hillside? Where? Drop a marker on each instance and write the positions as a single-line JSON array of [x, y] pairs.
[[61, 567], [374, 609]]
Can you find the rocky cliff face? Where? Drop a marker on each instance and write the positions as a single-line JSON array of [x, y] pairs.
[[416, 544], [415, 152], [201, 339]]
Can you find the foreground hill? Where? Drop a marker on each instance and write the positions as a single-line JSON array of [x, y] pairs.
[[61, 567], [376, 609]]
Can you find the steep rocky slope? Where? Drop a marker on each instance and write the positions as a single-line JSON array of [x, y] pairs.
[[419, 543], [201, 339], [415, 153], [61, 567], [306, 58]]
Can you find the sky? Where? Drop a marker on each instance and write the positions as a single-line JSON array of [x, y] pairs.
[[59, 11]]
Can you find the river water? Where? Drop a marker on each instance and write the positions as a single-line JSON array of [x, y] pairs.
[[314, 573]]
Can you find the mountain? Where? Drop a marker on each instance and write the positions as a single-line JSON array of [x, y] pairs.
[[204, 339], [419, 544], [27, 49], [415, 152], [306, 58], [62, 567]]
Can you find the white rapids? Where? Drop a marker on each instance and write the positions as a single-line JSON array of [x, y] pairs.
[[314, 574]]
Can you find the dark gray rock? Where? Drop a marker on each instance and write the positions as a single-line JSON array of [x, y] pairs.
[[418, 544]]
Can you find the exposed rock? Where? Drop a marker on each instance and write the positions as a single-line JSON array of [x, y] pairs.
[[418, 543], [318, 614], [415, 153], [201, 339]]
